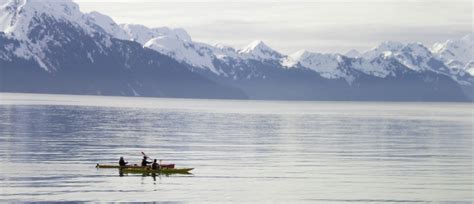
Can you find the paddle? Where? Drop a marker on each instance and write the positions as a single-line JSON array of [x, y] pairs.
[[145, 155]]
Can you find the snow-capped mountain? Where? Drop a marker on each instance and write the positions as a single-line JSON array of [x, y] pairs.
[[448, 58], [416, 57], [372, 62], [106, 24], [336, 66], [61, 50], [177, 44], [381, 66], [224, 52], [260, 51], [18, 18], [413, 55], [143, 34], [455, 53], [25, 20], [195, 54], [383, 49], [328, 65], [50, 46]]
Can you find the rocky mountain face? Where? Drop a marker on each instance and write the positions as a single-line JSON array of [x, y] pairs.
[[50, 46]]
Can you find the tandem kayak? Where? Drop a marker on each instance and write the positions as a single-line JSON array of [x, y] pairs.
[[135, 166], [157, 171]]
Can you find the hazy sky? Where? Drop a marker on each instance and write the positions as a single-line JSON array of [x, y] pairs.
[[291, 25]]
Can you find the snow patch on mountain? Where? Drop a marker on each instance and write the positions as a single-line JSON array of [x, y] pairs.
[[20, 18], [143, 34], [384, 47], [415, 56], [378, 67], [224, 52], [455, 53], [335, 66], [327, 65], [260, 51], [469, 68], [107, 25], [197, 55], [17, 17]]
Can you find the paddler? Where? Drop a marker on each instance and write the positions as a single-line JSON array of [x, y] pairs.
[[122, 162], [155, 165], [145, 162]]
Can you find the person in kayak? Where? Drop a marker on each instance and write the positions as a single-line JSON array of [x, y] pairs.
[[122, 162], [145, 162], [155, 165]]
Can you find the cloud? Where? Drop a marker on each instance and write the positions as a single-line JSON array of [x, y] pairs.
[[323, 39], [319, 25]]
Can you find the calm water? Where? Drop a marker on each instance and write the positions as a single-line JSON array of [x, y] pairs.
[[243, 151]]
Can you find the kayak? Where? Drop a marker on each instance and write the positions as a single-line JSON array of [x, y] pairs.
[[135, 166], [157, 171]]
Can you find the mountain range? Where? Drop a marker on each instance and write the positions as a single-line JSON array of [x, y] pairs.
[[50, 46]]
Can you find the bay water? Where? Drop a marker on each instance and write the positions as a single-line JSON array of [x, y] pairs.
[[242, 151]]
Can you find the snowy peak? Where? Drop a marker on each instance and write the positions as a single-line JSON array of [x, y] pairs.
[[18, 17], [455, 53], [294, 59], [419, 58], [417, 49], [143, 34], [413, 55], [306, 56], [35, 24], [382, 49], [335, 66], [463, 42], [223, 52], [300, 55], [106, 24], [195, 54], [256, 45], [260, 51], [327, 65]]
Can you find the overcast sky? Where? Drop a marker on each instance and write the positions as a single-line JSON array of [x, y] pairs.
[[291, 25]]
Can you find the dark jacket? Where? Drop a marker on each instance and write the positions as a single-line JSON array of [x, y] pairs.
[[145, 162], [122, 162], [155, 165]]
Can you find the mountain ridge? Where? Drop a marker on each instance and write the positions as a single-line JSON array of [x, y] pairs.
[[256, 71]]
